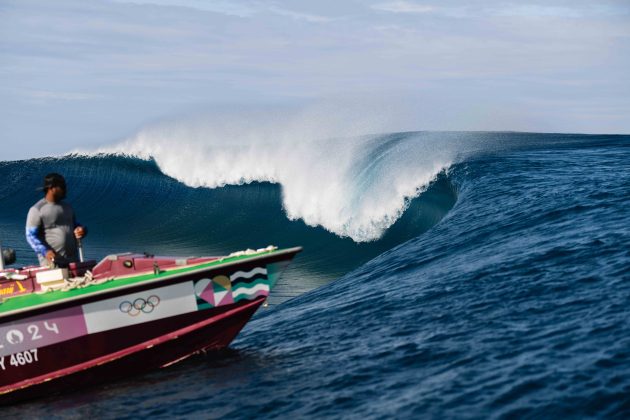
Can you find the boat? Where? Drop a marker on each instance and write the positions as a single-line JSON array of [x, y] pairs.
[[65, 328]]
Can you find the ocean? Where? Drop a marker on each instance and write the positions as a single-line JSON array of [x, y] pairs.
[[444, 274]]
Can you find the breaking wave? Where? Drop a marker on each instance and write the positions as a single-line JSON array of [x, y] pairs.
[[354, 187]]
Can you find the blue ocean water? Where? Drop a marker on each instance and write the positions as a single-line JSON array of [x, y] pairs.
[[468, 275]]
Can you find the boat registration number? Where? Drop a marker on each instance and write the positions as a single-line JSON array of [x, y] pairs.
[[19, 359]]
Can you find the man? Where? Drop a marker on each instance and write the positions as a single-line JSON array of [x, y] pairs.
[[51, 227]]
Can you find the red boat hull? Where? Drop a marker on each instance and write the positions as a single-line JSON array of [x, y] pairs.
[[123, 325], [188, 334]]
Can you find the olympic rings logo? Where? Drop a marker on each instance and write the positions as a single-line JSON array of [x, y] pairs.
[[139, 306]]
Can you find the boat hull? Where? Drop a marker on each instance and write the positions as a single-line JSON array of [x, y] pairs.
[[119, 331], [81, 369]]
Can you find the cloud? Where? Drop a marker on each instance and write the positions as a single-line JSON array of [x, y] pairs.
[[230, 8], [573, 11], [403, 6], [301, 16], [112, 65], [48, 95]]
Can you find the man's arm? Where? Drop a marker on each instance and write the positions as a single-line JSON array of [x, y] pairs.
[[33, 235]]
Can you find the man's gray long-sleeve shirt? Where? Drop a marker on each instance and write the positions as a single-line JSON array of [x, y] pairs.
[[51, 226]]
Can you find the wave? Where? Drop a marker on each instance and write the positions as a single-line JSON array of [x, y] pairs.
[[129, 204], [191, 192], [500, 290], [356, 186]]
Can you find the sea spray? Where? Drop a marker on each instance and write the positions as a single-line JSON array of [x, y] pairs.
[[354, 185]]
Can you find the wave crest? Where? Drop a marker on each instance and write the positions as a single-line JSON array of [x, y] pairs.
[[355, 186]]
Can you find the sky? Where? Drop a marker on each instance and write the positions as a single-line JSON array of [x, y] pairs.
[[88, 73]]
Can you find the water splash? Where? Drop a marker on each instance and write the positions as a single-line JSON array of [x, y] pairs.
[[332, 173]]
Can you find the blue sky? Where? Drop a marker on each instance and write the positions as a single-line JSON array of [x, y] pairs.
[[86, 73]]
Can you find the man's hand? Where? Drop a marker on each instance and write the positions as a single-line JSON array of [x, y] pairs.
[[50, 255], [79, 232]]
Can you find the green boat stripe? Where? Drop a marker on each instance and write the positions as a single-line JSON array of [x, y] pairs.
[[32, 301]]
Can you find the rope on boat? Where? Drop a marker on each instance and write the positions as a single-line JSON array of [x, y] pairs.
[[77, 283], [251, 252], [80, 282]]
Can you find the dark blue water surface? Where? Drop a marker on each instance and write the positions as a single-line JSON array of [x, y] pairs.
[[502, 291]]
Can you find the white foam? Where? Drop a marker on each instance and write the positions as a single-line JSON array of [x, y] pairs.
[[331, 174]]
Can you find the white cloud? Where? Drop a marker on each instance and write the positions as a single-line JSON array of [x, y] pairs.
[[48, 95], [115, 65], [574, 11], [231, 8], [301, 16], [402, 6]]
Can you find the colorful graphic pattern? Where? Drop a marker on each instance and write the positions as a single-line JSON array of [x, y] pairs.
[[240, 285]]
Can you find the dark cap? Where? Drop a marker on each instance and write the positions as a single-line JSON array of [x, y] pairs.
[[54, 180]]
